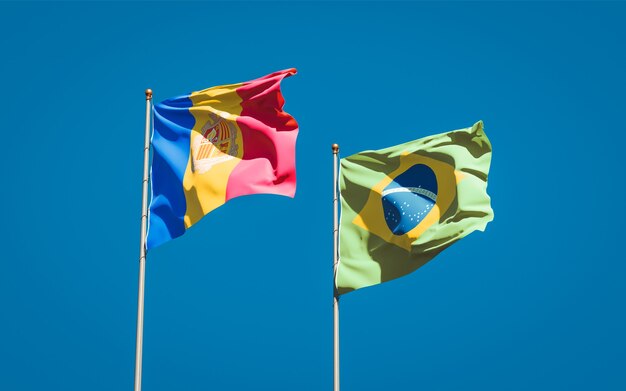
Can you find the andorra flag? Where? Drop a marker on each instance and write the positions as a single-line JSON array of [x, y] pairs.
[[216, 144], [403, 205]]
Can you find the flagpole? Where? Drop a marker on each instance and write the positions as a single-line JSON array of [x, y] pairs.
[[142, 247], [335, 260]]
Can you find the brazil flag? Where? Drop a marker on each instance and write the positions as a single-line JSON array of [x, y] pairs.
[[403, 205]]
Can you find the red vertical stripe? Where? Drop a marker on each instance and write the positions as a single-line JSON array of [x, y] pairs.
[[269, 139]]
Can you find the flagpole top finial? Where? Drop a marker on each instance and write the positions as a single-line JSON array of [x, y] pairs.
[[148, 94], [335, 148]]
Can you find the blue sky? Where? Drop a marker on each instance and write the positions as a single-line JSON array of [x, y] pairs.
[[243, 301]]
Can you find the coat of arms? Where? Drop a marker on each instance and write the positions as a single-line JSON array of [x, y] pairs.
[[217, 143]]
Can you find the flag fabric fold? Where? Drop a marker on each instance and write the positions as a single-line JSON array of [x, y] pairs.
[[216, 144], [403, 205]]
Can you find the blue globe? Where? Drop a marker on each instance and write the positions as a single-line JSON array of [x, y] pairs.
[[409, 198]]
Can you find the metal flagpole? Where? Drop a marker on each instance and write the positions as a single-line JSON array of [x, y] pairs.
[[142, 248], [335, 256]]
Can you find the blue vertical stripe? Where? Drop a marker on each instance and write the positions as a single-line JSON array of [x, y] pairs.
[[170, 145]]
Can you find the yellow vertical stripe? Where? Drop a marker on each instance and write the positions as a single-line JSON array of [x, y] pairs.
[[208, 168]]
